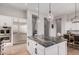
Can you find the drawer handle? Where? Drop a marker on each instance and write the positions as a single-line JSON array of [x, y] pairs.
[[35, 50]]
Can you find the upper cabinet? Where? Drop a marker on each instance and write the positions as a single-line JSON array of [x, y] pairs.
[[5, 19], [19, 25]]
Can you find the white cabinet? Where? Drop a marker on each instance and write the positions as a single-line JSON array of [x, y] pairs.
[[5, 47], [19, 30], [40, 49], [35, 48], [62, 48], [52, 50], [31, 46], [5, 19], [23, 28], [21, 24]]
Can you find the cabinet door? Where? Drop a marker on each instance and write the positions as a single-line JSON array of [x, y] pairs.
[[31, 46], [62, 48], [5, 19], [27, 43], [52, 50], [40, 49]]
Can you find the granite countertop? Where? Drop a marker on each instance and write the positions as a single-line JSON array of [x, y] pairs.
[[46, 42]]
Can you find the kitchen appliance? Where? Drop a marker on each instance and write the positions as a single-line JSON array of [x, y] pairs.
[[5, 31], [5, 38]]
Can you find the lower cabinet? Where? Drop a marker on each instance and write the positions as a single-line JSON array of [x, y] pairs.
[[31, 46], [62, 48], [40, 49], [52, 50], [35, 48], [5, 47]]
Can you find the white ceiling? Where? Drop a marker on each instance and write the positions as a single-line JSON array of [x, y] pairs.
[[57, 8]]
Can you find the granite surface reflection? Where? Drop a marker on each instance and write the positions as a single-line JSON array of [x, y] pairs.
[[47, 41]]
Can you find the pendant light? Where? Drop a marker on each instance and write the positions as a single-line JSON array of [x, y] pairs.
[[38, 13], [50, 16], [75, 19]]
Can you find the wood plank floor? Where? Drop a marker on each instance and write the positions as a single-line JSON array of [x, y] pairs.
[[18, 50], [21, 49], [73, 51]]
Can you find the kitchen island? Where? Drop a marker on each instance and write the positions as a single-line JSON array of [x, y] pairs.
[[46, 46]]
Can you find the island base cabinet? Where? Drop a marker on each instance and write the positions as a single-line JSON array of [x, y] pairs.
[[35, 48], [62, 48], [52, 50], [57, 49], [40, 50], [31, 46]]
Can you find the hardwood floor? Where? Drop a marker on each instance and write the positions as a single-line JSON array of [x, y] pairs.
[[21, 49], [73, 51]]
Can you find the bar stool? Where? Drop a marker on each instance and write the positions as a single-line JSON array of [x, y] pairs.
[[71, 40]]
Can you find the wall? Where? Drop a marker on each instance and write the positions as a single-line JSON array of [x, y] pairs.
[[40, 23], [11, 11], [9, 22], [5, 19], [52, 31], [29, 23], [8, 14], [19, 30], [67, 23]]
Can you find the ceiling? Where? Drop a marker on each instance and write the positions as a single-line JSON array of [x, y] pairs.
[[57, 8]]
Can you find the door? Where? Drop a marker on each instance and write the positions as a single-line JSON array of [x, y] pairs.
[[58, 25], [46, 27], [34, 25]]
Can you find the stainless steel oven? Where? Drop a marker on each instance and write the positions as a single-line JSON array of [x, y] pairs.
[[5, 31]]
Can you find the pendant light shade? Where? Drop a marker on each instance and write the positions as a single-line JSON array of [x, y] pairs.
[[50, 16], [75, 19], [38, 14]]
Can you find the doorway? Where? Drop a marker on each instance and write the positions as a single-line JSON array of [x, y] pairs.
[[58, 25], [46, 28], [34, 25]]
